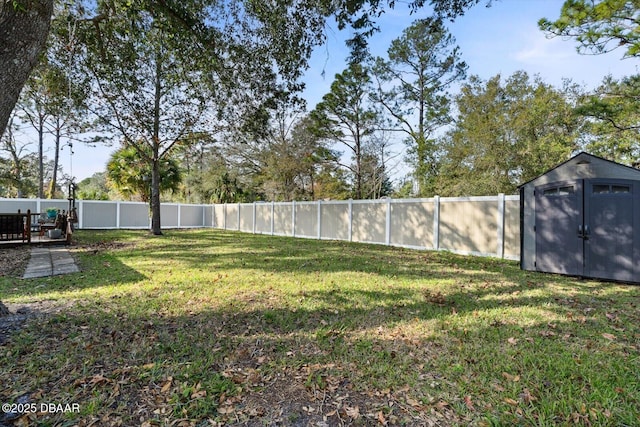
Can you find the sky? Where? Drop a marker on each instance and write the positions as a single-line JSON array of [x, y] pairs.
[[500, 39]]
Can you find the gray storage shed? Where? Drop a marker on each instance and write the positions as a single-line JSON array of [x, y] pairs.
[[582, 218]]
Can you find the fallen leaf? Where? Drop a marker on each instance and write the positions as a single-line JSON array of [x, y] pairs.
[[352, 411], [469, 403], [442, 404], [510, 401], [610, 337], [526, 396], [381, 419], [225, 410], [412, 402], [198, 394], [167, 385], [509, 377], [512, 341]]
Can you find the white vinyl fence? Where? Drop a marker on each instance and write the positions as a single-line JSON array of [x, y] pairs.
[[486, 226], [97, 214]]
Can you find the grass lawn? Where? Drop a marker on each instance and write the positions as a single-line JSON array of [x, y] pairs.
[[210, 327]]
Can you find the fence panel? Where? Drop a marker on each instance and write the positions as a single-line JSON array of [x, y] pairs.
[[512, 227], [369, 221], [306, 219], [469, 225], [412, 223], [99, 214], [219, 216], [12, 205], [134, 215], [231, 219], [283, 219], [334, 221], [191, 216], [169, 215], [263, 218], [246, 217]]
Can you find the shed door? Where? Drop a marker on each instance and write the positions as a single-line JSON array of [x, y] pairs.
[[609, 226], [558, 219]]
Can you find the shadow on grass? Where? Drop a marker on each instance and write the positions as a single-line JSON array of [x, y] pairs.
[[452, 329], [266, 356], [98, 269]]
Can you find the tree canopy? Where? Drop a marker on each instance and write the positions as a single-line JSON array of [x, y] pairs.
[[614, 125], [346, 116], [412, 87], [599, 26], [294, 27], [507, 132]]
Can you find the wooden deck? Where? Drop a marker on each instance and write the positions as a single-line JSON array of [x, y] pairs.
[[35, 241]]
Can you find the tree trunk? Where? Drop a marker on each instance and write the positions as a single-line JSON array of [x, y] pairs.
[[155, 198], [155, 161], [56, 161], [4, 311], [24, 27], [41, 158]]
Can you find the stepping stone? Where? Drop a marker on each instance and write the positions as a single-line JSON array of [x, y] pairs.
[[50, 261]]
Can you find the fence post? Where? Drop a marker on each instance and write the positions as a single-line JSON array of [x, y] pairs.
[[388, 223], [319, 219], [118, 215], [179, 206], [500, 220], [436, 223], [293, 218], [273, 213], [254, 217], [351, 220], [80, 211], [224, 216]]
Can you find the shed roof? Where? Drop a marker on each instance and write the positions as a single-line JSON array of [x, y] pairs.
[[627, 172]]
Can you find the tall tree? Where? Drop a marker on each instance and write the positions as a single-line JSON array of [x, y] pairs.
[[599, 26], [52, 102], [614, 119], [412, 86], [292, 160], [346, 116], [17, 168], [507, 132], [183, 85], [24, 26]]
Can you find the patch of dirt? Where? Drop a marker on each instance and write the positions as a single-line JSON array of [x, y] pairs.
[[14, 260], [105, 246]]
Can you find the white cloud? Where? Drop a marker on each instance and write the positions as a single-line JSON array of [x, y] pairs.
[[536, 48]]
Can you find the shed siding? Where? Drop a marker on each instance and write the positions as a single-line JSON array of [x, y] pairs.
[[581, 167]]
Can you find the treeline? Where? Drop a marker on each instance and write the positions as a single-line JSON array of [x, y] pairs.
[[208, 132]]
